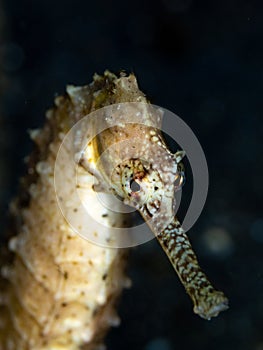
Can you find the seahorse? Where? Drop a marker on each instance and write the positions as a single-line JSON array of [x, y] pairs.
[[60, 289]]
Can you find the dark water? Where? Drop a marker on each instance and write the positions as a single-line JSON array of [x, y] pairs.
[[202, 60]]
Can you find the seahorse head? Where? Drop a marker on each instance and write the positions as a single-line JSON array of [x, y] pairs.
[[143, 173]]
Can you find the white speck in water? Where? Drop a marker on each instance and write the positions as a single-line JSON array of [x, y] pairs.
[[218, 241]]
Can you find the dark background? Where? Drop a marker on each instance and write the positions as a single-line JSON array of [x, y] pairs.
[[204, 61]]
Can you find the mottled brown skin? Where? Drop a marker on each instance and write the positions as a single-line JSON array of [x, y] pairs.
[[207, 301]]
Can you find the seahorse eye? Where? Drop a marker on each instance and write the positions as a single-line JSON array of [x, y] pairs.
[[135, 187]]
